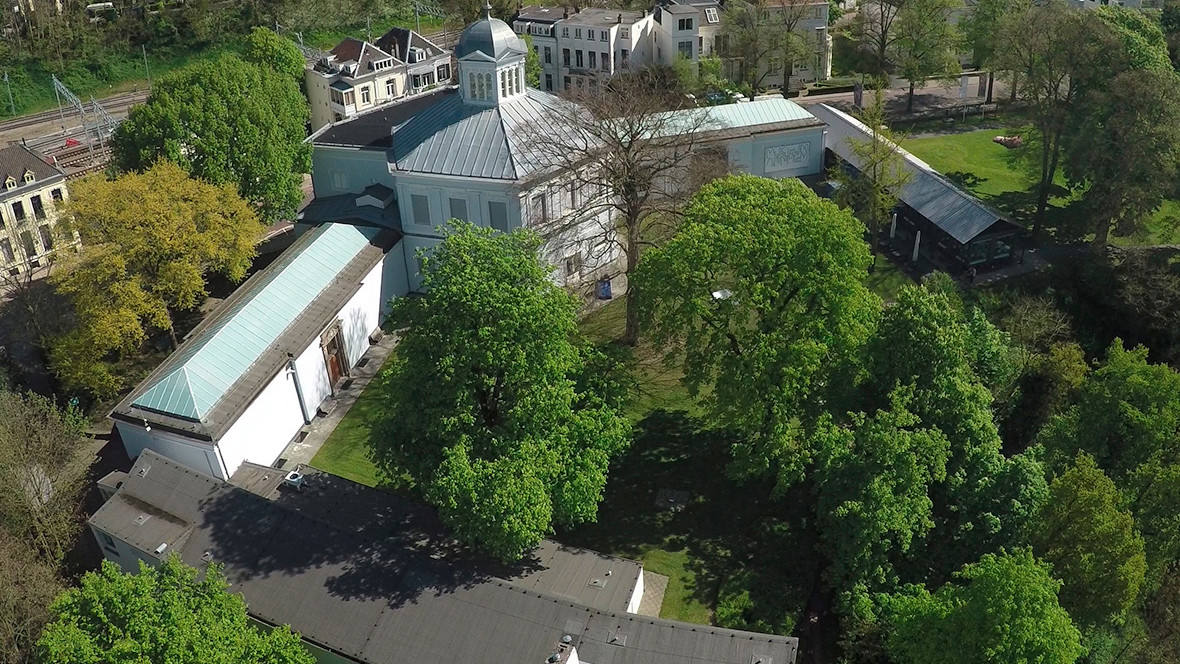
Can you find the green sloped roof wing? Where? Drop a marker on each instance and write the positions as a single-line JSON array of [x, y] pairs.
[[204, 368]]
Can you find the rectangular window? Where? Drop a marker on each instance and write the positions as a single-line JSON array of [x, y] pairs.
[[421, 207], [18, 210], [566, 82], [366, 98], [711, 14], [577, 33], [26, 240], [578, 59], [548, 55], [685, 49], [56, 193], [565, 57], [605, 61], [340, 181], [459, 209], [417, 81], [498, 215], [6, 250], [574, 195], [391, 88], [593, 60], [623, 33], [573, 265], [548, 86], [623, 58], [602, 36], [108, 542], [565, 32], [38, 207], [685, 24], [443, 72], [540, 209], [46, 238]]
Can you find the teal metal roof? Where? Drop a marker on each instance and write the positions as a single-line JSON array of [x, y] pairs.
[[204, 368], [729, 117]]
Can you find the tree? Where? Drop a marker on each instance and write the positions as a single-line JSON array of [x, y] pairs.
[[151, 240], [926, 42], [532, 64], [631, 159], [1002, 609], [1092, 544], [981, 30], [762, 294], [279, 54], [170, 614], [873, 479], [482, 404], [25, 289], [41, 475], [29, 584], [1170, 25], [226, 121], [753, 35], [1054, 52], [877, 28], [1124, 150], [1142, 38], [872, 191]]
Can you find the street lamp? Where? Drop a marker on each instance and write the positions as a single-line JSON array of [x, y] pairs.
[[11, 103]]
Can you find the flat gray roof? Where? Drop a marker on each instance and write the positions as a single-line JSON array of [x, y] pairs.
[[371, 576]]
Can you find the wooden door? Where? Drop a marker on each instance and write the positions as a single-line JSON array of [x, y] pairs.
[[333, 360]]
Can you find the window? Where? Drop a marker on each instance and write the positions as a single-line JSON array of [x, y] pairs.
[[443, 72], [623, 58], [540, 209], [578, 59], [366, 98], [565, 82], [573, 265], [340, 181], [349, 98], [18, 210], [459, 209], [108, 542], [46, 238], [684, 24], [605, 61], [417, 81], [623, 33], [573, 195], [548, 84], [711, 14], [685, 49], [577, 33], [38, 207], [421, 206], [56, 193], [498, 215], [565, 57], [391, 88], [503, 85], [548, 55], [6, 250], [26, 240], [593, 60], [603, 36], [10, 183], [565, 32], [29, 177]]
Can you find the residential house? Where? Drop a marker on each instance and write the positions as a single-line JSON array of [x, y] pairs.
[[357, 75], [368, 577], [32, 192]]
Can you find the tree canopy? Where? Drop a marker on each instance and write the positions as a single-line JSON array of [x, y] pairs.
[[151, 240], [1092, 544], [226, 121], [487, 404], [1001, 609], [170, 614], [764, 284], [279, 54], [927, 43]]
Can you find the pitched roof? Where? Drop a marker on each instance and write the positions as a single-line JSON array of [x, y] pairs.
[[212, 377], [958, 213], [731, 120], [398, 42], [16, 160], [370, 577]]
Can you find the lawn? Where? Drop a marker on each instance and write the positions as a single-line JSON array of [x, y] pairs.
[[886, 279], [346, 451]]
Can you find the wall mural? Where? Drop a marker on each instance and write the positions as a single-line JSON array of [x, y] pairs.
[[785, 157]]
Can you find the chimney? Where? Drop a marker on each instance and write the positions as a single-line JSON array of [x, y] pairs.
[[565, 12], [620, 19]]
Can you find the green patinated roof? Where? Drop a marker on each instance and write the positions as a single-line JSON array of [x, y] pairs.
[[729, 116], [204, 368]]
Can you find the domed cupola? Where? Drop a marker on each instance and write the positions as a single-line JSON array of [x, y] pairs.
[[491, 61]]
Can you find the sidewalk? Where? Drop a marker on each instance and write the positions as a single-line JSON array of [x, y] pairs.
[[306, 445]]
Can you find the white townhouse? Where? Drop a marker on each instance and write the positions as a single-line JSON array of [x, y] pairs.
[[250, 379], [32, 193]]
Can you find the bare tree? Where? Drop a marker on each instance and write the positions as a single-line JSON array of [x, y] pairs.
[[41, 473], [24, 279], [753, 35], [877, 31], [634, 157], [30, 585]]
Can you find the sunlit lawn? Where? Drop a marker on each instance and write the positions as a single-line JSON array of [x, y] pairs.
[[345, 452]]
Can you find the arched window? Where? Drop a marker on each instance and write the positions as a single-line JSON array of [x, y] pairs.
[[471, 85], [482, 92], [491, 85], [520, 79]]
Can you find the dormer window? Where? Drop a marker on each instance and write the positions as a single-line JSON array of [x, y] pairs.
[[29, 177], [417, 55], [10, 183]]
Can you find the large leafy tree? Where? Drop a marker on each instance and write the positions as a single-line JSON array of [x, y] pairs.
[[980, 31], [42, 477], [483, 406], [872, 483], [762, 294], [269, 50], [151, 240], [170, 614], [1092, 544], [1003, 608], [227, 121], [927, 43]]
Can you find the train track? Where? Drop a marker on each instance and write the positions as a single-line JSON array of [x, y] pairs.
[[53, 116]]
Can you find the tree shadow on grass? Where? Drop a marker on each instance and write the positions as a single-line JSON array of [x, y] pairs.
[[965, 180], [727, 529]]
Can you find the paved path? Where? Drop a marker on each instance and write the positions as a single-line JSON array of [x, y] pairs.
[[654, 587], [302, 451]]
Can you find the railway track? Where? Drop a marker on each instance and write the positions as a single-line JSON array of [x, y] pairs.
[[53, 116]]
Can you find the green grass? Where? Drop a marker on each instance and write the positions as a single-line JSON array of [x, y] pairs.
[[345, 452], [886, 279], [680, 603]]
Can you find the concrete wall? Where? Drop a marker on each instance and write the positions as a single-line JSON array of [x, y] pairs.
[[394, 279], [121, 553], [337, 170], [198, 455], [313, 376], [262, 432], [787, 154], [439, 190], [636, 595], [361, 316]]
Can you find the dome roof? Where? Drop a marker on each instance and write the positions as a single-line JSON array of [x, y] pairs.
[[491, 36]]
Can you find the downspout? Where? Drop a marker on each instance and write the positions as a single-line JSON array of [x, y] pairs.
[[293, 371]]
